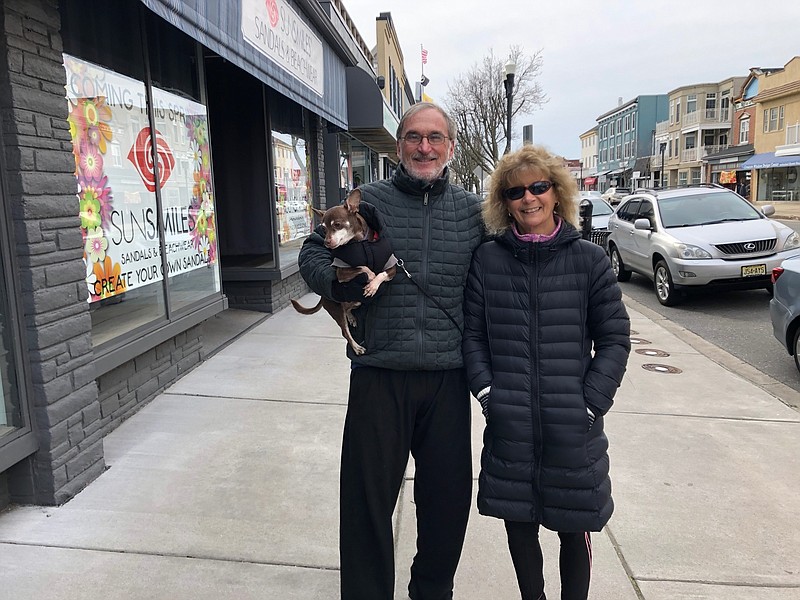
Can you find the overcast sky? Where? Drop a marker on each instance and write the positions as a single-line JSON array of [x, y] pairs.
[[594, 51]]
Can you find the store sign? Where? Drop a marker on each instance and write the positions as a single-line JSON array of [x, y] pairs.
[[117, 177], [273, 28]]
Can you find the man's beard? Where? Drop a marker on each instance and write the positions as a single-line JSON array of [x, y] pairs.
[[425, 178]]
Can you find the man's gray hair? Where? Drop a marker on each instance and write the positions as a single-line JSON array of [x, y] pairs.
[[452, 129]]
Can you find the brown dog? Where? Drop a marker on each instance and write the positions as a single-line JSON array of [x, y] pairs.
[[344, 225]]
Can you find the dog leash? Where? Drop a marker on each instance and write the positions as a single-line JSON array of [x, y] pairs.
[[401, 264]]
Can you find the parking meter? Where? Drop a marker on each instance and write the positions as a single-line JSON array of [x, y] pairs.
[[585, 213]]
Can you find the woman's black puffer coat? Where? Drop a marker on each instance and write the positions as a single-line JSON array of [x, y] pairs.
[[533, 312]]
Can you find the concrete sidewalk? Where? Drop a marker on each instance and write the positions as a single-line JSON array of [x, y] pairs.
[[226, 485]]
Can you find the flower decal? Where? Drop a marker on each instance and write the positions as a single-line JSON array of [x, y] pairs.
[[96, 245], [201, 208], [91, 162], [89, 128], [107, 281], [90, 212]]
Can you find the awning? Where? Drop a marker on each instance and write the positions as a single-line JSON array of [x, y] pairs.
[[729, 155], [589, 180], [642, 166], [218, 27], [768, 160], [369, 118]]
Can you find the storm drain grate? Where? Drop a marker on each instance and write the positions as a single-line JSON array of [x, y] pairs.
[[652, 352], [657, 368], [639, 341]]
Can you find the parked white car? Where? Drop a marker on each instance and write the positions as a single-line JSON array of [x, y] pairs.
[[699, 235]]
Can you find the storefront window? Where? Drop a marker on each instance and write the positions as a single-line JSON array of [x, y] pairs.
[[292, 192], [365, 163], [123, 188], [10, 412], [293, 177], [778, 184], [112, 143], [187, 200]]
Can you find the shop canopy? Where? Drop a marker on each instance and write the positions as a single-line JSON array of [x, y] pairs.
[[768, 160], [589, 180]]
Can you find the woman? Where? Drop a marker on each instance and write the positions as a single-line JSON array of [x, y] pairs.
[[546, 342]]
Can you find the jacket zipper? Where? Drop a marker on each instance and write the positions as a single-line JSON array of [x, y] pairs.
[[536, 421], [423, 277]]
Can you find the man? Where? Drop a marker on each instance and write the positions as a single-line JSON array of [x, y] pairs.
[[408, 392]]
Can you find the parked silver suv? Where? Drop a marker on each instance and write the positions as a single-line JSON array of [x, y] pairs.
[[699, 235]]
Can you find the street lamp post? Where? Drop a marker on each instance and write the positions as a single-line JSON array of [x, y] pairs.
[[662, 146], [508, 82]]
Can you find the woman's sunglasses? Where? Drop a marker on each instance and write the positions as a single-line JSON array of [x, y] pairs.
[[537, 188]]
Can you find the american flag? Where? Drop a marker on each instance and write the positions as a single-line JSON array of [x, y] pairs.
[[424, 56]]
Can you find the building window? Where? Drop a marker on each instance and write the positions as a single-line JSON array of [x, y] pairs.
[[695, 176], [11, 412], [711, 105], [682, 177], [678, 111], [744, 131], [773, 119], [293, 189], [725, 106], [691, 103], [146, 202]]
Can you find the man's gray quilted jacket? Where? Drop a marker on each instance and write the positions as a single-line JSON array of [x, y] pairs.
[[433, 229]]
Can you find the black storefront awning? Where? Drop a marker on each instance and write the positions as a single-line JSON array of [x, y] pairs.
[[730, 155], [218, 27], [642, 165], [370, 119]]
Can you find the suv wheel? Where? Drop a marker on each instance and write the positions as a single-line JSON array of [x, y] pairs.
[[662, 281], [797, 348], [618, 266]]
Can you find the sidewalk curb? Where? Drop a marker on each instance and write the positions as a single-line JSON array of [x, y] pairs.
[[736, 366]]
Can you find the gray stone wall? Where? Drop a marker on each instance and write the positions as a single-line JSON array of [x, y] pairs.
[[40, 188], [124, 390]]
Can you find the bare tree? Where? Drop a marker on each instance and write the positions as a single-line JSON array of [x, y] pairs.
[[477, 101]]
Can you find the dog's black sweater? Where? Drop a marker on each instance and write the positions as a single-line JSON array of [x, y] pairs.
[[375, 252]]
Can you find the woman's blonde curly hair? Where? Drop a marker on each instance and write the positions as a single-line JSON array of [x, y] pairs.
[[512, 169]]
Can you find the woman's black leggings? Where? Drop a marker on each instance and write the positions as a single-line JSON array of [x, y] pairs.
[[575, 561]]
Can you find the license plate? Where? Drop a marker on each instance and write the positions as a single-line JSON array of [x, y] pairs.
[[754, 270]]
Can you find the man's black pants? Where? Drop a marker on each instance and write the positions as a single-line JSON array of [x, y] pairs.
[[390, 413]]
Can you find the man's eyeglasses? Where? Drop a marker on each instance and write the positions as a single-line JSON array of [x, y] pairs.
[[415, 139], [537, 188]]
